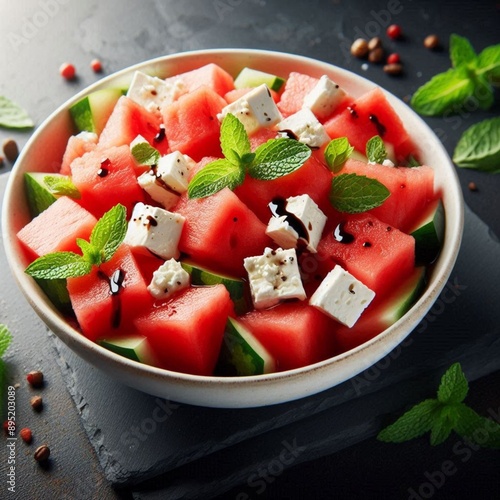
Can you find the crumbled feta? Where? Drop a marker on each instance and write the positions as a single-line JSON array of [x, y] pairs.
[[388, 163], [342, 297], [160, 192], [255, 109], [152, 92], [169, 278], [324, 98], [274, 276], [306, 128], [155, 230], [310, 217]]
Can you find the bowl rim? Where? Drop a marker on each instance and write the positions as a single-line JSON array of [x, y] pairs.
[[393, 335]]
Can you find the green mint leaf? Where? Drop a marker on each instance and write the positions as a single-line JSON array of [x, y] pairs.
[[5, 339], [454, 386], [461, 52], [352, 193], [247, 159], [444, 93], [90, 253], [109, 232], [337, 152], [234, 139], [61, 185], [375, 150], [215, 176], [59, 265], [278, 157], [483, 92], [145, 154], [13, 116], [480, 430], [442, 425], [479, 147], [412, 424], [488, 62]]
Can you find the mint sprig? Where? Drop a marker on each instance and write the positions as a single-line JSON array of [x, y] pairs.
[[145, 154], [107, 235], [61, 186], [443, 415], [471, 77], [275, 158], [375, 150], [12, 115], [353, 193], [337, 152]]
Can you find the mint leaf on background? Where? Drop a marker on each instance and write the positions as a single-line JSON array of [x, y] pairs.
[[145, 154], [375, 150], [13, 116], [215, 176], [454, 386], [337, 152], [352, 193], [488, 63], [461, 51], [59, 265], [61, 185], [479, 147], [278, 157], [442, 425], [5, 339]]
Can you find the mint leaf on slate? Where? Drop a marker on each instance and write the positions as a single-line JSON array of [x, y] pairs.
[[375, 150], [278, 157], [352, 193], [109, 232], [215, 176], [461, 51], [442, 425], [61, 185], [488, 62], [234, 139], [145, 154], [337, 152], [480, 430], [5, 339], [454, 386], [479, 147], [59, 265], [13, 116]]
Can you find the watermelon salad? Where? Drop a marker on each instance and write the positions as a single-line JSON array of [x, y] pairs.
[[219, 225]]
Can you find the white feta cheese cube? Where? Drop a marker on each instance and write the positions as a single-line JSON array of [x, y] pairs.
[[324, 98], [303, 219], [157, 189], [273, 277], [341, 296], [152, 92], [388, 163], [173, 169], [305, 127], [155, 230], [255, 109], [168, 279]]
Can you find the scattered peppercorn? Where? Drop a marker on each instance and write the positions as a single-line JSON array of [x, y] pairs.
[[96, 65], [42, 453], [26, 435], [375, 43], [36, 403], [17, 385], [10, 150], [431, 42], [359, 48], [394, 31], [393, 69], [376, 55], [67, 71], [393, 58], [472, 186], [35, 378]]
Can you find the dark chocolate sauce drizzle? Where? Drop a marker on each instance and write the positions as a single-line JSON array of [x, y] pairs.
[[341, 235]]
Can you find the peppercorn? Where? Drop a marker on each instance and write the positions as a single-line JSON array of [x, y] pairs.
[[472, 186], [376, 55], [26, 435], [42, 453], [393, 69], [375, 43], [393, 58], [35, 378], [431, 42], [10, 150], [359, 48], [394, 31], [36, 403], [96, 65], [67, 71]]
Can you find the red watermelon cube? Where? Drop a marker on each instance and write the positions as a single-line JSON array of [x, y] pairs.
[[57, 228], [297, 86], [77, 146], [186, 332]]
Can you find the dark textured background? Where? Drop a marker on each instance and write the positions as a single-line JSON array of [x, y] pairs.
[[36, 36]]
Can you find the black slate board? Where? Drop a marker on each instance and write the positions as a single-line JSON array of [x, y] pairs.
[[145, 443]]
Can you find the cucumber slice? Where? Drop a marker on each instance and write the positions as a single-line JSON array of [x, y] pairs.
[[92, 112], [249, 77], [43, 189], [242, 354], [136, 348], [429, 234], [235, 286], [58, 294]]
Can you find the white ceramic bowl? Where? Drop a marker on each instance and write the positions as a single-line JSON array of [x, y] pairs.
[[43, 153]]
